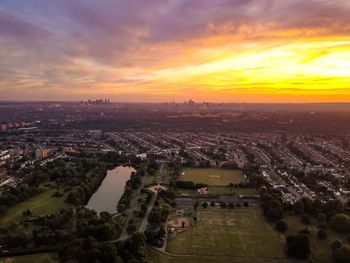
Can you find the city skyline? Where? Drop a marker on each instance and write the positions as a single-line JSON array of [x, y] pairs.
[[155, 51]]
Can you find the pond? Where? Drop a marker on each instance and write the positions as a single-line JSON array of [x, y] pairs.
[[110, 191]]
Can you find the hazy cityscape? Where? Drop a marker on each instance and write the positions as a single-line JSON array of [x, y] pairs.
[[152, 171]]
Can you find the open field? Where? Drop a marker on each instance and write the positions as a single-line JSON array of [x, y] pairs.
[[212, 176], [227, 190], [159, 257], [40, 204], [240, 233], [36, 258], [320, 249]]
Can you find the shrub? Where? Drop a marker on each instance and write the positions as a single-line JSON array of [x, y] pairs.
[[305, 219], [321, 234], [231, 205], [281, 226], [336, 245], [223, 205]]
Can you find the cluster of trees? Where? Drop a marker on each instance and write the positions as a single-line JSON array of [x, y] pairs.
[[55, 229], [155, 236], [340, 223], [149, 195], [124, 201], [81, 192], [168, 197], [155, 233], [135, 180], [189, 185], [329, 213], [341, 252], [15, 195], [281, 226], [298, 246], [44, 236], [132, 249], [272, 206], [24, 190], [101, 227], [50, 230], [323, 211], [312, 179], [222, 204], [159, 215], [80, 176], [88, 250], [133, 183]]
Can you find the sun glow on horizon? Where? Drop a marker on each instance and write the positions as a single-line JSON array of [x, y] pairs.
[[254, 51]]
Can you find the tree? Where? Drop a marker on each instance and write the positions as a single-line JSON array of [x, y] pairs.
[[336, 244], [321, 234], [274, 213], [321, 217], [298, 246], [342, 254], [131, 228], [281, 226], [231, 205], [305, 219], [340, 223], [299, 207], [204, 205]]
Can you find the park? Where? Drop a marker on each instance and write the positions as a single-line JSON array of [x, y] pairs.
[[212, 176], [228, 232]]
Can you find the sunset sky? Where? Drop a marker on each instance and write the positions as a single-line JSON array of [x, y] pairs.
[[164, 50]]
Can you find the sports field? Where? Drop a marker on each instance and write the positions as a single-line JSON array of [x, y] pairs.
[[212, 176], [240, 233]]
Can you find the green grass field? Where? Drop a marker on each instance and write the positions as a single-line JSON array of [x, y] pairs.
[[36, 258], [212, 176], [159, 257], [40, 204], [240, 232], [320, 249]]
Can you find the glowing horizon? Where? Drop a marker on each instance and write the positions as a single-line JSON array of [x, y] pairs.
[[164, 50]]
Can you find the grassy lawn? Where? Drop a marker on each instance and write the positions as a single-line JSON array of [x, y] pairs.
[[165, 175], [320, 249], [40, 204], [212, 176], [159, 257], [227, 190], [189, 192], [36, 258], [240, 232], [244, 191], [150, 179]]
